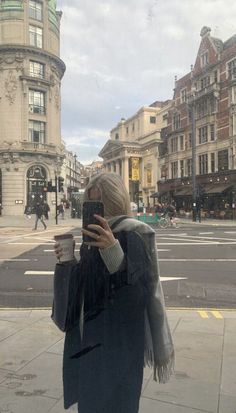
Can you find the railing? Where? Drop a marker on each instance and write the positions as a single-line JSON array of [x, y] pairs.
[[41, 147]]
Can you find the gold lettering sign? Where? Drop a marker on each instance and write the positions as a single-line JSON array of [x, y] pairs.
[[135, 169]]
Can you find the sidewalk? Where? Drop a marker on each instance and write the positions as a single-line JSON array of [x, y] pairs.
[[23, 222], [204, 382]]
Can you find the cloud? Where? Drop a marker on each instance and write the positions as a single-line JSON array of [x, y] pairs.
[[123, 54]]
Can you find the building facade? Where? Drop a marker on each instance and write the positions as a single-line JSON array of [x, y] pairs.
[[73, 173], [197, 157], [31, 150], [132, 151]]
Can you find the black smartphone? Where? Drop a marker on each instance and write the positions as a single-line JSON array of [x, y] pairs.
[[89, 209]]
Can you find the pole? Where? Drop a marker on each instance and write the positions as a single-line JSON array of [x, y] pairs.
[[56, 216], [194, 205]]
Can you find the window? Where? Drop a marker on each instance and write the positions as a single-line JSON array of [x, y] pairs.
[[37, 69], [183, 95], [189, 167], [223, 160], [205, 81], [232, 69], [203, 164], [174, 144], [202, 108], [215, 76], [36, 102], [117, 136], [212, 162], [176, 121], [204, 59], [36, 131], [127, 130], [35, 10], [181, 168], [36, 36], [181, 143], [174, 169], [212, 132], [202, 134], [152, 119]]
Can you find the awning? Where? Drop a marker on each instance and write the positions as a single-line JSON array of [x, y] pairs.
[[217, 189], [185, 191], [158, 194]]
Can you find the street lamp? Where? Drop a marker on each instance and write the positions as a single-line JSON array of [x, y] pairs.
[[191, 107]]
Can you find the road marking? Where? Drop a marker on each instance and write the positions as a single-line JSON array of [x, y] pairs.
[[163, 279], [203, 314], [160, 250], [205, 233], [229, 232], [198, 259], [15, 259], [54, 251], [197, 243], [215, 313], [184, 239], [209, 238], [29, 243], [38, 272]]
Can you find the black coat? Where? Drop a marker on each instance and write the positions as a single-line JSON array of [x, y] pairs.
[[104, 372]]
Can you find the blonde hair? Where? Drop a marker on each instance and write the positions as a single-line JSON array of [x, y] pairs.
[[114, 194]]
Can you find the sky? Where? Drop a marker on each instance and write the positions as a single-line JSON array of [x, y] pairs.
[[121, 55]]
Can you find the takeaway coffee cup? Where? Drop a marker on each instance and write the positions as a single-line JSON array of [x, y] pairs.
[[66, 242]]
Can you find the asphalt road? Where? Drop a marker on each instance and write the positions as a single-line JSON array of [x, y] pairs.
[[197, 267]]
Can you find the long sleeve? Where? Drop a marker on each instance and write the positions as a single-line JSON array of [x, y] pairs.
[[68, 288]]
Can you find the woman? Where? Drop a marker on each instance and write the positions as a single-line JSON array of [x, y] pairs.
[[121, 324]]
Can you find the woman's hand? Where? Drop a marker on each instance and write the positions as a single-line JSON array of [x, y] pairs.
[[59, 251], [103, 238]]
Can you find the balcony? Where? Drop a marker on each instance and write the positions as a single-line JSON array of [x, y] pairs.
[[38, 79], [212, 89], [37, 147]]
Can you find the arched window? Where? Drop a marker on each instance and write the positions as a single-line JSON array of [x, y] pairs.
[[36, 182]]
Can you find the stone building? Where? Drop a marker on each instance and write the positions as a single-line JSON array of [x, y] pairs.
[[197, 156], [31, 151], [132, 151]]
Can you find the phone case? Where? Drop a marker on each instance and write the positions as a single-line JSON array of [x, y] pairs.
[[89, 209]]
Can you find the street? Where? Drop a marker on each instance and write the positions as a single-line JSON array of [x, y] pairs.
[[197, 266]]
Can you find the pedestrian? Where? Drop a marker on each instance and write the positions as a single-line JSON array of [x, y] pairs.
[[39, 216], [28, 211], [113, 304], [60, 210], [46, 209]]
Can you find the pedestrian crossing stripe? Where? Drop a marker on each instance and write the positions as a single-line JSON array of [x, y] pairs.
[[205, 314]]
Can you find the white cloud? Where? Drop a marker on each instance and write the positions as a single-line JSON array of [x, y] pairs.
[[121, 54]]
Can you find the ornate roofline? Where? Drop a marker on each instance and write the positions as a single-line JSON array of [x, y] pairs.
[[34, 50]]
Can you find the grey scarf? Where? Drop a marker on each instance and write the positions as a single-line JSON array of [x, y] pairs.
[[159, 349]]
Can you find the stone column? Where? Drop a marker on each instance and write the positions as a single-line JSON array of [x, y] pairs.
[[125, 172]]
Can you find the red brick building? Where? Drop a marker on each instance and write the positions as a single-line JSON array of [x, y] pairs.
[[200, 139]]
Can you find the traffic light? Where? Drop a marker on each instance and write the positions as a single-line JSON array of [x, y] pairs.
[[60, 184], [49, 187]]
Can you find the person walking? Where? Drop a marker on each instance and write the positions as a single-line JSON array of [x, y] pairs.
[[39, 216], [110, 304], [46, 209]]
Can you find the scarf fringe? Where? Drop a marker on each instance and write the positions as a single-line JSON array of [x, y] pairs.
[[161, 370]]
